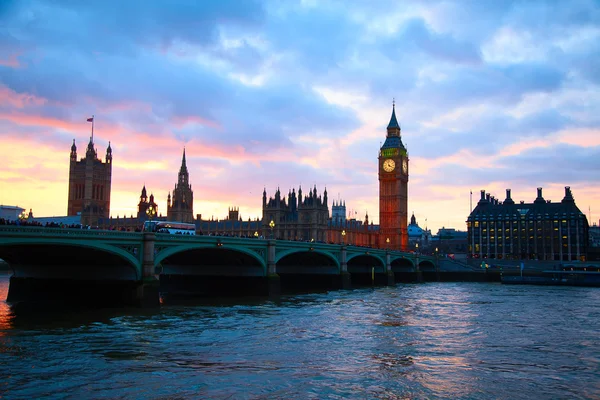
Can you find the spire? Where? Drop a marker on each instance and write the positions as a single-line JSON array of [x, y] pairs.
[[393, 121], [183, 164], [144, 196], [73, 151]]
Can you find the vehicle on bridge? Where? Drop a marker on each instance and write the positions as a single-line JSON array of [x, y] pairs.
[[174, 228]]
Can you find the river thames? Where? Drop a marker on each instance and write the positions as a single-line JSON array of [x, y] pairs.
[[427, 341]]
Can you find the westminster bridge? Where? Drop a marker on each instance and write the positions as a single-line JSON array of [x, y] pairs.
[[132, 267]]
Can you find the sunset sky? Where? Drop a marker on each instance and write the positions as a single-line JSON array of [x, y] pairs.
[[265, 94]]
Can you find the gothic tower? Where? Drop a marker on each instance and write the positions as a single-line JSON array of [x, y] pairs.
[[89, 184], [393, 187], [180, 205]]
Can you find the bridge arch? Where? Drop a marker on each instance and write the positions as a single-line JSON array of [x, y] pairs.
[[214, 259], [361, 262], [51, 253], [427, 265], [306, 261], [402, 263]]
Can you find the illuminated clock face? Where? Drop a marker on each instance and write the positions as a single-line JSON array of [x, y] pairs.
[[405, 166], [389, 165]]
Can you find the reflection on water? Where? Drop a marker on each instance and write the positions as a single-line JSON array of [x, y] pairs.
[[472, 341]]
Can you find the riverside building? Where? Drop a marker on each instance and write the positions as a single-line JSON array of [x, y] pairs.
[[541, 230]]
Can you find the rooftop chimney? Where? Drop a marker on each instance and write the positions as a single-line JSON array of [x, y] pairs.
[[540, 198], [508, 200]]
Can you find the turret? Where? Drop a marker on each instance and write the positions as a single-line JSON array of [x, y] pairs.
[[143, 196], [108, 154], [73, 151], [90, 152]]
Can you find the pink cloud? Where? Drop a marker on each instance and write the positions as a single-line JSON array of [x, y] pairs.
[[19, 100], [12, 61]]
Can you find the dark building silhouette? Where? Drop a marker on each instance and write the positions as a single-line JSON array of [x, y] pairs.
[[144, 204], [297, 217], [89, 185], [393, 188], [541, 230], [180, 206]]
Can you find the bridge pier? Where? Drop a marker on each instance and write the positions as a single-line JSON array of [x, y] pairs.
[[391, 277], [148, 290], [345, 281], [273, 279]]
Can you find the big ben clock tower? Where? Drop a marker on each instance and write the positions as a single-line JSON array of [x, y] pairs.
[[393, 189]]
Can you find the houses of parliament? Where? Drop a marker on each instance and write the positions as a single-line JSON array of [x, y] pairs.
[[297, 216], [305, 214]]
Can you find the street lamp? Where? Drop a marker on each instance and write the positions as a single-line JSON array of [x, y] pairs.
[[150, 212], [272, 225], [387, 241], [23, 216], [417, 251], [343, 235], [256, 234]]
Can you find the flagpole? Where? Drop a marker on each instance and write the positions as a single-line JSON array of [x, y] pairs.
[[93, 118], [471, 202]]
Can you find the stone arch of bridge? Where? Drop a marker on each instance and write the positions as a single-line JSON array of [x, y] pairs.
[[366, 260], [307, 256], [58, 247], [427, 265], [171, 251], [402, 262]]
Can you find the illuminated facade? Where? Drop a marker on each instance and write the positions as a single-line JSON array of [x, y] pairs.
[[541, 230], [393, 188], [180, 206], [89, 185]]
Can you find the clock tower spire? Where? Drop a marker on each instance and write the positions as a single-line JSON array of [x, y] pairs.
[[393, 187]]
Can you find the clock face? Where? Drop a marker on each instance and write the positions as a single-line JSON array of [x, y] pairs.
[[389, 165], [405, 166]]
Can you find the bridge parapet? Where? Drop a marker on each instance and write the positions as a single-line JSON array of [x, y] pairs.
[[6, 230]]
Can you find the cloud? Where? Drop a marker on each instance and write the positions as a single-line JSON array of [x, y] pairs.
[[267, 94]]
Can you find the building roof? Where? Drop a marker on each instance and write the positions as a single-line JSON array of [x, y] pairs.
[[393, 121]]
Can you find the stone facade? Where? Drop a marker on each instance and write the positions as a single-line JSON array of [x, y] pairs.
[[297, 217], [89, 185]]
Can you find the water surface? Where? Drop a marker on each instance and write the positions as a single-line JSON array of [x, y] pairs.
[[434, 340]]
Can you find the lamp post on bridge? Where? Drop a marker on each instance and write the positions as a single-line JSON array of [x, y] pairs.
[[255, 234], [22, 217], [272, 225], [343, 236], [387, 241], [437, 264], [417, 253], [150, 212]]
